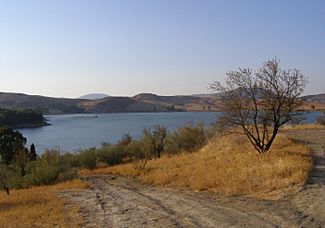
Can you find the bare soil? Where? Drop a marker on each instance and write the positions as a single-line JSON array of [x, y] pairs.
[[113, 201]]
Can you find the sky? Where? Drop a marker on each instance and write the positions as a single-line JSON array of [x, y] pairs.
[[68, 48]]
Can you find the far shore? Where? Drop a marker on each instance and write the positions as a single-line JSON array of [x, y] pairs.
[[21, 126]]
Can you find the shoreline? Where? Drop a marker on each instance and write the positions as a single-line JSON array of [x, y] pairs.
[[22, 126]]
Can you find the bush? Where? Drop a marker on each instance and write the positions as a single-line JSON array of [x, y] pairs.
[[111, 154], [42, 173], [140, 152], [187, 138], [52, 167], [87, 158], [69, 174], [125, 140], [70, 159], [321, 119], [5, 175]]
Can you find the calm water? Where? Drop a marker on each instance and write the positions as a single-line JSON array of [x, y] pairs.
[[79, 131]]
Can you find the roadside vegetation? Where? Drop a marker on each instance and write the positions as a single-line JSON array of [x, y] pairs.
[[227, 164], [22, 168]]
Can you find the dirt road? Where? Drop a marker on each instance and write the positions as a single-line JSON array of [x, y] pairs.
[[122, 202]]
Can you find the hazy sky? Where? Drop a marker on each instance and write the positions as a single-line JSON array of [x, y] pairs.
[[67, 48]]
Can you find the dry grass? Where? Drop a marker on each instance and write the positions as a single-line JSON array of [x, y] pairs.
[[230, 166], [303, 127], [39, 207]]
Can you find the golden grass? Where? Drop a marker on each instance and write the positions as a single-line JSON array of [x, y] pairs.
[[39, 207], [303, 127], [230, 166]]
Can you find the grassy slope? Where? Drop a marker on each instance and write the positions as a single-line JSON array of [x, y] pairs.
[[39, 207], [230, 166]]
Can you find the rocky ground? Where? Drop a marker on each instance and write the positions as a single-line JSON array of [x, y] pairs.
[[113, 201]]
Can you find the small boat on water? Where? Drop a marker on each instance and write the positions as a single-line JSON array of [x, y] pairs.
[[85, 116]]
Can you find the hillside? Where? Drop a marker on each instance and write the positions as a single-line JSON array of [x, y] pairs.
[[144, 102], [184, 103], [41, 103], [320, 98], [140, 103], [316, 101]]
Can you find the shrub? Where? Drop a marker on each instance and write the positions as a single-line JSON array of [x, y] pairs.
[[40, 173], [52, 167], [321, 119], [125, 140], [140, 152], [69, 174], [70, 159], [187, 138], [87, 158], [4, 177], [111, 154]]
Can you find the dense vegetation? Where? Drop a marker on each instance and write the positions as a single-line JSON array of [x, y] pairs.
[[229, 165], [21, 168], [21, 118]]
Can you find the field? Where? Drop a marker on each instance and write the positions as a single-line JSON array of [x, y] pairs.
[[39, 207]]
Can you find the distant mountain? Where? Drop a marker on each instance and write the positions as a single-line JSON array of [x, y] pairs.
[[314, 102], [320, 98], [144, 102], [44, 104], [94, 96], [148, 102]]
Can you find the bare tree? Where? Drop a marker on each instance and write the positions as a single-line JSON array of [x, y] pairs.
[[260, 102], [156, 138]]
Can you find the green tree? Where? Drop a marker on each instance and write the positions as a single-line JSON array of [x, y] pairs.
[[18, 117], [32, 152], [11, 142]]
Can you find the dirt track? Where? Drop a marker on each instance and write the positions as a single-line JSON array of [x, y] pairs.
[[122, 202]]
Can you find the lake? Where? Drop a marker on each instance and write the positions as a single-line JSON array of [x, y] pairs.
[[79, 131]]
